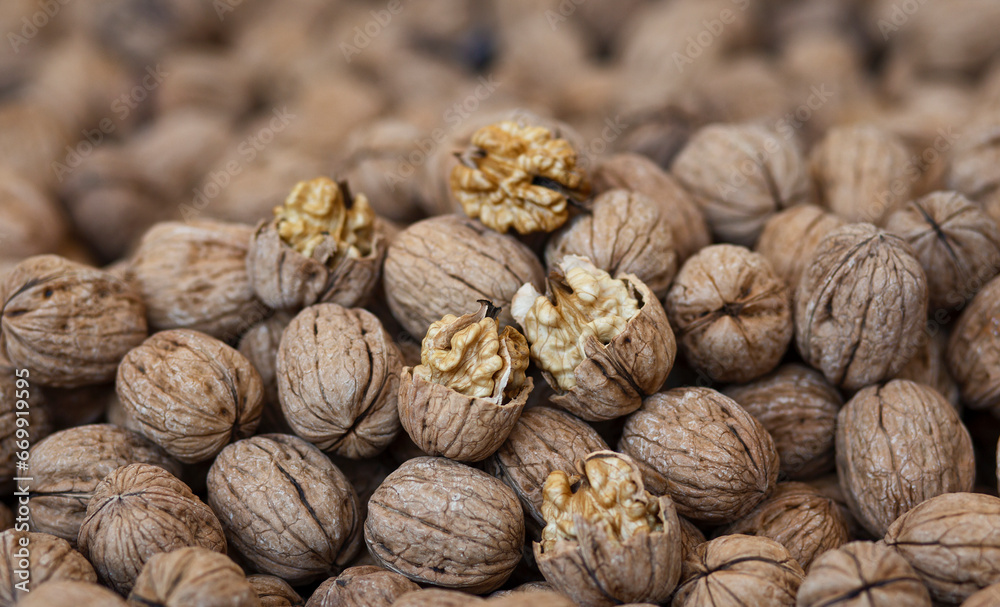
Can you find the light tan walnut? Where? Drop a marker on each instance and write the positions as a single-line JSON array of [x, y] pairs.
[[274, 591], [862, 574], [364, 586], [973, 354], [48, 559], [193, 577], [791, 237], [78, 594]]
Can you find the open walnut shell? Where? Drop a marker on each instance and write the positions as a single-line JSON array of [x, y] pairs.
[[608, 541], [464, 398], [602, 343], [323, 245]]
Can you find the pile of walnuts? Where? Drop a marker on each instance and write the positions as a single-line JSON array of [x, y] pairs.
[[710, 325]]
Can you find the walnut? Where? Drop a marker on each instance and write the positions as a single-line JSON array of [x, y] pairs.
[[67, 323], [193, 577], [194, 276], [441, 522], [798, 408], [704, 451], [538, 598], [951, 542], [930, 366], [260, 347], [436, 597], [274, 592], [731, 312], [190, 393], [790, 239], [974, 350], [338, 378], [957, 244], [362, 587], [603, 343], [607, 540], [740, 175], [6, 517], [71, 592], [736, 570], [971, 170], [323, 245], [527, 587], [32, 223], [140, 510], [443, 264], [68, 465], [466, 395], [860, 307], [543, 440], [862, 173], [987, 597], [691, 537], [21, 419], [899, 444], [518, 175], [48, 559], [286, 509], [862, 574]]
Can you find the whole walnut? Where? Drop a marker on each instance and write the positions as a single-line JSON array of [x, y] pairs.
[[971, 168], [538, 598], [23, 421], [286, 508], [76, 593], [607, 540], [956, 242], [437, 597], [951, 541], [974, 350], [861, 306], [445, 264], [731, 312], [602, 343], [193, 577], [987, 597], [737, 570], [441, 522], [625, 232], [338, 377], [704, 451], [194, 276], [260, 347], [798, 408], [691, 537], [68, 465], [899, 444], [930, 366], [862, 574], [32, 223], [67, 323], [790, 239], [6, 517], [543, 440], [740, 175], [362, 587], [140, 510], [274, 591], [48, 558], [190, 393]]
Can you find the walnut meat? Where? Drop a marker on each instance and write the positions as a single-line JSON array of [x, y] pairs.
[[602, 343], [323, 245], [790, 239], [732, 313], [67, 323], [193, 577], [899, 444], [798, 408], [285, 507], [441, 522], [190, 393], [625, 233], [443, 264], [67, 592], [338, 380], [860, 307], [704, 451], [138, 511], [274, 592], [68, 465], [974, 350], [48, 559], [543, 440], [862, 574], [364, 586], [607, 540], [953, 543]]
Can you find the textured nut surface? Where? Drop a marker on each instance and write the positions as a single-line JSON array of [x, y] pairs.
[[953, 543], [49, 558], [338, 379], [862, 574], [68, 465], [78, 594], [790, 239], [31, 222], [974, 349], [537, 598], [971, 168], [736, 570], [987, 597], [798, 408], [899, 444], [260, 347], [446, 264], [364, 586], [731, 312], [285, 507], [39, 424], [930, 366], [443, 523], [626, 232], [67, 323], [140, 510], [274, 591], [190, 393], [860, 307], [704, 451], [193, 577], [435, 597]]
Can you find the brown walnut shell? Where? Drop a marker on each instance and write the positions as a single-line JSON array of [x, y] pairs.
[[67, 592], [862, 574], [49, 559], [31, 221], [436, 597], [930, 366], [274, 591], [971, 168], [364, 586], [791, 237], [537, 598], [24, 421], [974, 350], [260, 346], [193, 577], [987, 597]]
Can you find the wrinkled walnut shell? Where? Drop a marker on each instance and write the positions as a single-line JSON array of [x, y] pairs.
[[436, 597], [274, 591], [260, 346], [974, 350], [49, 559], [16, 428], [75, 593], [791, 237], [193, 577], [362, 587], [862, 574]]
